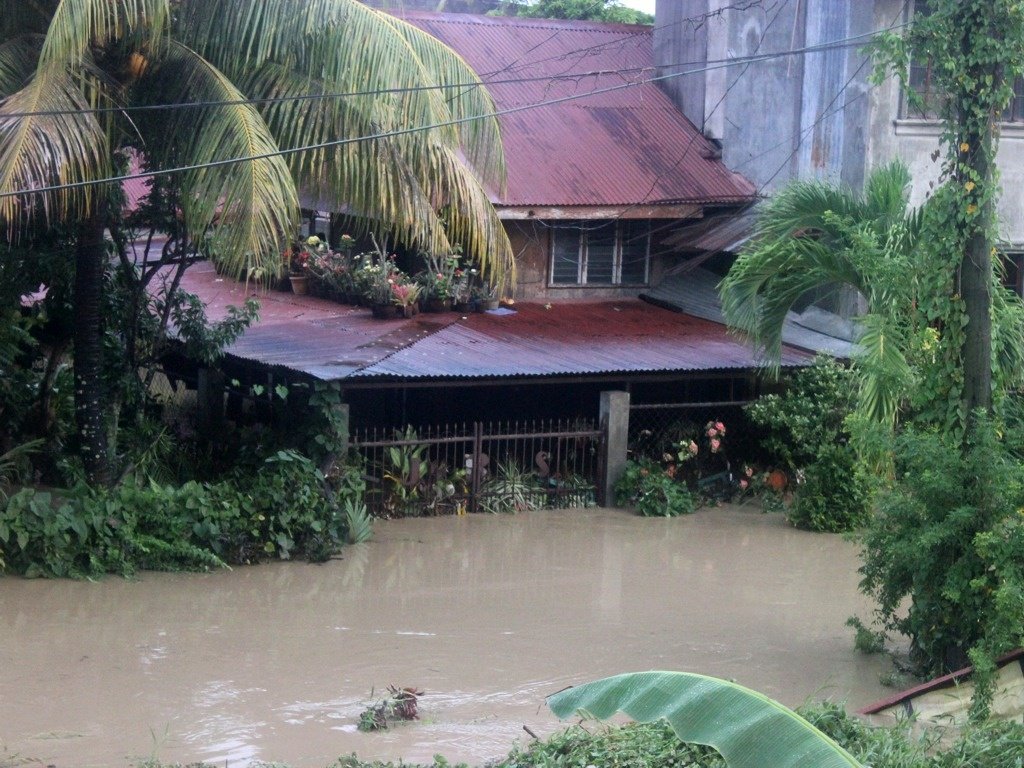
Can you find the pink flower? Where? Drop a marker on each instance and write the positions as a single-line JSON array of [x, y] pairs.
[[712, 432], [748, 471], [693, 448], [720, 427], [743, 485], [715, 444]]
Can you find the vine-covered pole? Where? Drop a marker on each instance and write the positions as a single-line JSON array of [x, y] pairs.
[[974, 50]]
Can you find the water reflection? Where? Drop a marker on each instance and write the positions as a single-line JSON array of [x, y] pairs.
[[486, 614]]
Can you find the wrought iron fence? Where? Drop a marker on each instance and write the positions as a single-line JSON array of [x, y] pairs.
[[489, 467]]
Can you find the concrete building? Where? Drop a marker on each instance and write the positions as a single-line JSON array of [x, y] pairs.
[[814, 112]]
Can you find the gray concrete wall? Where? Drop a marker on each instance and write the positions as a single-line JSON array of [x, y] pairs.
[[813, 115], [914, 142]]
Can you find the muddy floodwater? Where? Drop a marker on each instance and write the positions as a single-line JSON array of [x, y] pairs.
[[486, 614]]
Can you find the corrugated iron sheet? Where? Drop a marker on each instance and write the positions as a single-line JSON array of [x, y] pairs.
[[571, 339], [332, 342], [695, 293], [624, 147]]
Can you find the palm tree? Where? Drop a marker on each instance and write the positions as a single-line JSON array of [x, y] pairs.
[[262, 78], [813, 236]]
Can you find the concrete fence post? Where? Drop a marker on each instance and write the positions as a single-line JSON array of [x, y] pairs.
[[614, 416]]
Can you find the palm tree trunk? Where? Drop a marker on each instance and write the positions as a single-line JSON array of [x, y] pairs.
[[90, 260]]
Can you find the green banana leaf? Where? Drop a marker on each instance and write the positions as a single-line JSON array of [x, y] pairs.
[[746, 727]]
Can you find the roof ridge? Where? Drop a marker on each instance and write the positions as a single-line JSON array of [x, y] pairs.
[[467, 19]]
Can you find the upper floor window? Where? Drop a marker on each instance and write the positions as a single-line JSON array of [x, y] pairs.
[[600, 253]]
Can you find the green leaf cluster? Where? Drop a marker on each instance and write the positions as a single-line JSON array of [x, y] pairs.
[[282, 511], [950, 536], [645, 486]]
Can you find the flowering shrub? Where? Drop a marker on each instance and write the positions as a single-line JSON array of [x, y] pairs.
[[443, 278], [653, 490]]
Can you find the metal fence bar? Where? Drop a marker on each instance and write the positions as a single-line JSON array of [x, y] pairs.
[[494, 466]]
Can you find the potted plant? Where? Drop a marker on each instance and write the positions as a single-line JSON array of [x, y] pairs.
[[405, 296], [486, 297], [438, 281], [297, 274]]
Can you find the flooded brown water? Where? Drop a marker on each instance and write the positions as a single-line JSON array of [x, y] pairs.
[[486, 614]]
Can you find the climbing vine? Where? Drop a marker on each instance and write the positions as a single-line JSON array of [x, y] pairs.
[[974, 50]]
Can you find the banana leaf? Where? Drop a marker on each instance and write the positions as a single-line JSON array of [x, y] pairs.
[[749, 729]]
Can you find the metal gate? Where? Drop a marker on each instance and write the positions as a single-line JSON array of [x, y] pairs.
[[481, 467]]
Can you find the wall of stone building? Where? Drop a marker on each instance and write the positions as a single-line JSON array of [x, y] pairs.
[[780, 118], [914, 141], [810, 115]]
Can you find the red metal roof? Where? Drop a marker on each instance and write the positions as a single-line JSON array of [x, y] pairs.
[[331, 341], [624, 147]]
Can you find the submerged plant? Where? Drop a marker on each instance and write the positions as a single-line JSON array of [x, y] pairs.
[[401, 704]]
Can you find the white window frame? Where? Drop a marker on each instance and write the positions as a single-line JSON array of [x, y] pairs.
[[582, 228]]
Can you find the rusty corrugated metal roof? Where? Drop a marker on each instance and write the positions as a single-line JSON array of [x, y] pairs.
[[571, 339], [332, 342], [624, 147]]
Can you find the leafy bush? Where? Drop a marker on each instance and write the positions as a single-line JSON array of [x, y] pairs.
[[806, 431], [44, 535], [652, 491], [834, 496], [808, 416], [511, 490], [950, 539], [282, 511]]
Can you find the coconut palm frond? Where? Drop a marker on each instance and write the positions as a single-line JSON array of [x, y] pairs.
[[42, 150], [766, 281], [882, 367], [389, 173], [18, 58], [478, 130], [1008, 337], [371, 179], [78, 25], [471, 219], [253, 204]]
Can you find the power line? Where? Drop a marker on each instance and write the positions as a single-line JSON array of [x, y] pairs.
[[444, 124], [843, 43]]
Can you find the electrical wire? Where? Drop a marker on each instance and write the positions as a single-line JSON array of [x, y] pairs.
[[846, 42]]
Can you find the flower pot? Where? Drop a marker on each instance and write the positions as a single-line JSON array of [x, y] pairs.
[[777, 481], [385, 311], [485, 304], [410, 310], [463, 306], [300, 284], [438, 305]]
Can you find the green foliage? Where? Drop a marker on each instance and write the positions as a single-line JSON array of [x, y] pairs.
[[399, 705], [358, 521], [749, 729], [655, 745], [282, 511], [648, 745], [834, 496], [808, 415], [949, 538], [652, 491], [595, 10], [865, 639], [44, 535], [805, 430], [511, 489]]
